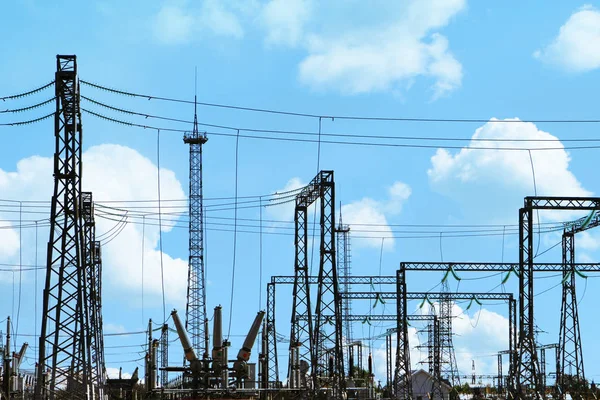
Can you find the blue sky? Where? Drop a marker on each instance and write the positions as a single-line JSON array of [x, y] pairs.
[[431, 59]]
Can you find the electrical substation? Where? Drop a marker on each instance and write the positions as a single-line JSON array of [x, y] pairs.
[[317, 355]]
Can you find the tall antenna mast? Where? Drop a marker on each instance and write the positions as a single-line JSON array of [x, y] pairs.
[[196, 291]]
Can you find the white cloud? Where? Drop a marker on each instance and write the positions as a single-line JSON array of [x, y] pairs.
[[113, 373], [386, 57], [114, 172], [505, 176], [285, 20], [177, 22], [369, 215], [577, 46], [173, 25], [285, 211]]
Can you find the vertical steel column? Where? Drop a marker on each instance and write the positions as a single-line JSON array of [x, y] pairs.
[[328, 334], [301, 323], [500, 377], [527, 374], [571, 375], [63, 334], [272, 367], [195, 313], [436, 391], [388, 360], [402, 373]]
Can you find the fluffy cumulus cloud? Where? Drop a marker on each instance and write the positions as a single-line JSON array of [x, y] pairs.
[[505, 176], [382, 56], [179, 22], [576, 48], [369, 216], [112, 172]]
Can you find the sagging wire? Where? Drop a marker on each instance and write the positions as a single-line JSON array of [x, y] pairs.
[[24, 94], [23, 109], [537, 211], [162, 275], [235, 211], [31, 121]]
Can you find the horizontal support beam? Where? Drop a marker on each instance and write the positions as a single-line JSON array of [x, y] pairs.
[[352, 280], [429, 295], [491, 267], [562, 203]]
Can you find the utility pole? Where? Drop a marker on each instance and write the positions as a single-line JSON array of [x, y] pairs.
[[195, 322]]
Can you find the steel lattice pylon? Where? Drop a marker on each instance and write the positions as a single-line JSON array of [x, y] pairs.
[[195, 311], [571, 372], [326, 338], [64, 336], [163, 349], [449, 370], [93, 301], [272, 364]]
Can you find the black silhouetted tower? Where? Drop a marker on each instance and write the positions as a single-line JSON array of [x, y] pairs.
[[196, 292]]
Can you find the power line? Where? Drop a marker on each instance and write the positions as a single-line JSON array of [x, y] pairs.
[[31, 121], [340, 135], [346, 117], [30, 92], [23, 109], [339, 142]]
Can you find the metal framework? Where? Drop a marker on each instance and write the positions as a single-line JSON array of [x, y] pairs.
[[449, 368], [571, 374], [302, 317], [528, 373], [93, 297], [195, 312], [402, 377], [63, 339], [326, 334], [163, 349], [543, 374], [272, 365], [344, 269]]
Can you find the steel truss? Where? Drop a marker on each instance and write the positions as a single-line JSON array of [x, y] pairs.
[[325, 334], [93, 298], [195, 312], [64, 340], [528, 373], [448, 362]]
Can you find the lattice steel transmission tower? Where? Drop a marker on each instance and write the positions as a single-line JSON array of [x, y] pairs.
[[344, 269], [449, 370], [64, 340], [196, 292], [93, 300], [571, 372]]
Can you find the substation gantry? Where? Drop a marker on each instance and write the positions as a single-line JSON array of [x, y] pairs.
[[308, 343]]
